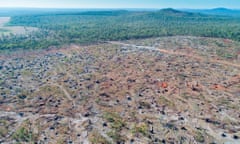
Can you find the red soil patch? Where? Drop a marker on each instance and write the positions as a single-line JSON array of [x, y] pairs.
[[164, 85], [218, 87]]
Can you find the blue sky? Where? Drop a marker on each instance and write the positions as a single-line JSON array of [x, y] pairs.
[[121, 3]]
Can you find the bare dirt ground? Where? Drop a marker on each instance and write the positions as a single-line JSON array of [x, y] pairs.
[[163, 90], [6, 30]]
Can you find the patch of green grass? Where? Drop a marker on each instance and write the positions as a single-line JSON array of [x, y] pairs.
[[96, 138], [220, 44], [26, 73], [116, 136], [140, 128], [199, 137], [3, 132], [98, 100], [3, 122], [164, 101], [224, 54], [23, 135], [117, 123], [225, 102], [185, 96]]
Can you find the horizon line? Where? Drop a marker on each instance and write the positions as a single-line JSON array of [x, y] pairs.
[[113, 8]]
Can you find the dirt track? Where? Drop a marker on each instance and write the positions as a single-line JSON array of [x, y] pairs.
[[170, 52]]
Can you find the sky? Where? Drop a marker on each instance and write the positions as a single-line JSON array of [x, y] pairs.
[[195, 4]]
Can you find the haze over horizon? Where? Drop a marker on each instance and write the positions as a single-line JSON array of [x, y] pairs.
[[191, 4]]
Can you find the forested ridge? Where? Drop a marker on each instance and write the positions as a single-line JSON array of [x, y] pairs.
[[56, 29]]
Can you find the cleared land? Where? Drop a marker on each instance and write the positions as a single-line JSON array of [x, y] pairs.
[[162, 90], [7, 30]]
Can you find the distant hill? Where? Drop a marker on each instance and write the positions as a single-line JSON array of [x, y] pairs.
[[174, 12], [170, 12], [216, 11], [9, 12]]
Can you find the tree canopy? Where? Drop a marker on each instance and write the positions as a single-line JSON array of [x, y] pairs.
[[56, 29]]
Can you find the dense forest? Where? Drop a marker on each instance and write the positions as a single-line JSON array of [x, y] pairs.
[[58, 28]]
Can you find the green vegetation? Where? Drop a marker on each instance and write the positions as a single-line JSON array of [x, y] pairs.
[[117, 123], [23, 135], [97, 138], [116, 136], [56, 29], [4, 125], [141, 128], [199, 137], [3, 132], [164, 101], [222, 53]]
